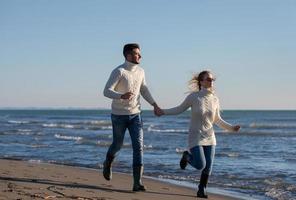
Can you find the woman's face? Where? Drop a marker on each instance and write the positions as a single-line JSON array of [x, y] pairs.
[[208, 81]]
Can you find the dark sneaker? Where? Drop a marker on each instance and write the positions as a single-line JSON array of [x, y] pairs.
[[107, 172], [183, 161], [138, 188], [201, 193]]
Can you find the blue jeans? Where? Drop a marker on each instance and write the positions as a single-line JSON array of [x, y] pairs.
[[202, 158], [134, 125]]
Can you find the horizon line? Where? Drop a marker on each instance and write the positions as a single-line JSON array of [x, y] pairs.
[[102, 108]]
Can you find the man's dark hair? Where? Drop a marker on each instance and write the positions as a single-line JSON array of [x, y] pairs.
[[128, 48]]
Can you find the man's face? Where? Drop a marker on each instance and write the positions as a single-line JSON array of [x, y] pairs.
[[134, 56]]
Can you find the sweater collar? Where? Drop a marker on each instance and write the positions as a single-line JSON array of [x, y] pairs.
[[206, 91], [130, 66]]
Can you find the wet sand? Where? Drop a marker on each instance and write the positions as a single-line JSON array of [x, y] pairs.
[[28, 180]]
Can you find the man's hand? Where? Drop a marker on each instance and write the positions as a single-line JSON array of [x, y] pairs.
[[157, 110], [127, 96]]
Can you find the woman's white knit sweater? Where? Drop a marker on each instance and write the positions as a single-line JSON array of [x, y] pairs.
[[205, 112], [128, 77]]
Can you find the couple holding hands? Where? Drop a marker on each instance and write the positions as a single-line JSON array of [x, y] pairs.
[[125, 86]]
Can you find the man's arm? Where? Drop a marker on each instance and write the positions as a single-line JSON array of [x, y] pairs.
[[145, 92], [148, 97], [111, 84]]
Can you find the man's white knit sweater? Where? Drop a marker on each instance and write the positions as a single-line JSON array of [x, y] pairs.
[[205, 112], [128, 77]]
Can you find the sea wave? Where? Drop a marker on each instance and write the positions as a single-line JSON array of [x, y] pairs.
[[280, 194], [20, 132], [273, 125], [25, 133], [98, 122], [18, 122], [104, 143], [228, 154], [151, 129], [258, 132], [180, 150], [91, 125], [99, 128], [65, 137], [39, 146], [100, 143], [53, 125], [24, 130]]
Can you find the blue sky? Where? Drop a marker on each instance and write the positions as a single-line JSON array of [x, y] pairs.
[[60, 53]]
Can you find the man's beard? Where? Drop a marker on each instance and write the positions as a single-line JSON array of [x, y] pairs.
[[135, 62]]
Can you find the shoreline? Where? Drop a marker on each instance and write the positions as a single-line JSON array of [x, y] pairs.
[[27, 180]]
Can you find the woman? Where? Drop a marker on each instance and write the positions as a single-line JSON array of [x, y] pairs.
[[205, 112]]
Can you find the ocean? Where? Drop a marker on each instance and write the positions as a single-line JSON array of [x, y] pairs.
[[259, 162]]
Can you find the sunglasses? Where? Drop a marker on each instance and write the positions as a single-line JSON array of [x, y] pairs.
[[210, 79]]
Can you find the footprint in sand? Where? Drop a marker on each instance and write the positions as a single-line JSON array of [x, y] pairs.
[[9, 190], [11, 185], [5, 173], [50, 197], [166, 188], [27, 188]]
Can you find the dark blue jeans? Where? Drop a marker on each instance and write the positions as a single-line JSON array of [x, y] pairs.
[[134, 125], [202, 158]]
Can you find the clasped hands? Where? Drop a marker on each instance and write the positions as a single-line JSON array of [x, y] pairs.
[[157, 110]]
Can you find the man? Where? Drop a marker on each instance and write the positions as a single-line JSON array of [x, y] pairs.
[[125, 85]]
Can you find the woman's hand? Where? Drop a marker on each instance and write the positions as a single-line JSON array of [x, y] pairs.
[[157, 110], [236, 128]]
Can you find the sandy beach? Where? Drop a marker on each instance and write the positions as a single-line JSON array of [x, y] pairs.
[[30, 180]]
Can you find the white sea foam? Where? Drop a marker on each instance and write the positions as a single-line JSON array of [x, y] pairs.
[[39, 145], [228, 154], [35, 161], [272, 125], [279, 194], [64, 137], [18, 122], [94, 125], [99, 122], [67, 126], [24, 133], [150, 129], [49, 125], [106, 127], [24, 130], [103, 143], [54, 125], [99, 128], [179, 150], [149, 146]]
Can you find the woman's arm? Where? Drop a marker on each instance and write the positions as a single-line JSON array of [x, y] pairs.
[[223, 124], [181, 108]]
